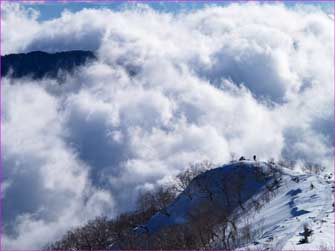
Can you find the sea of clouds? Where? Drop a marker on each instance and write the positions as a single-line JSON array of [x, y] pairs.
[[167, 90]]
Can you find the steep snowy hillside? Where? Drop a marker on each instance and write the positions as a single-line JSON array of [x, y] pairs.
[[267, 207], [225, 187], [301, 200]]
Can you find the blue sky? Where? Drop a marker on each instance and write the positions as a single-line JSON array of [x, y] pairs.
[[52, 10]]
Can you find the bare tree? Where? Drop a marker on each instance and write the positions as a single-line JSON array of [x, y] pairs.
[[306, 234], [184, 179], [93, 236]]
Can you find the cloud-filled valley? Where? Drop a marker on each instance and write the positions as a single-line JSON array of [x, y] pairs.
[[166, 90]]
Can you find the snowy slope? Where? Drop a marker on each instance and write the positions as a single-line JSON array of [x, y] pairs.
[[207, 189], [296, 204], [299, 199]]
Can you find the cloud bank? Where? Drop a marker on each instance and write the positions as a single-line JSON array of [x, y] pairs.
[[167, 90]]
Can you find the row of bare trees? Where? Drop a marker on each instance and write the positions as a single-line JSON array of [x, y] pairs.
[[102, 233]]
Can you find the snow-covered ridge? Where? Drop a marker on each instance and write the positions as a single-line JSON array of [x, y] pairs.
[[273, 201], [225, 187]]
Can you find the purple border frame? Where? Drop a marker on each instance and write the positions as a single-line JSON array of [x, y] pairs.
[[152, 1], [174, 1]]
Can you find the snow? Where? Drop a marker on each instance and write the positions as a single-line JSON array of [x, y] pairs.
[[296, 204], [198, 193], [300, 199]]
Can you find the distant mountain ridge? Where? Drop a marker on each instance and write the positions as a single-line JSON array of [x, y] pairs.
[[39, 64]]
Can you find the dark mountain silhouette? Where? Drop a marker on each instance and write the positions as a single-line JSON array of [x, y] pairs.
[[39, 64]]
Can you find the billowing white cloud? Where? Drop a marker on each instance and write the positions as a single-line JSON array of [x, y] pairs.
[[167, 90], [49, 187], [18, 27]]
